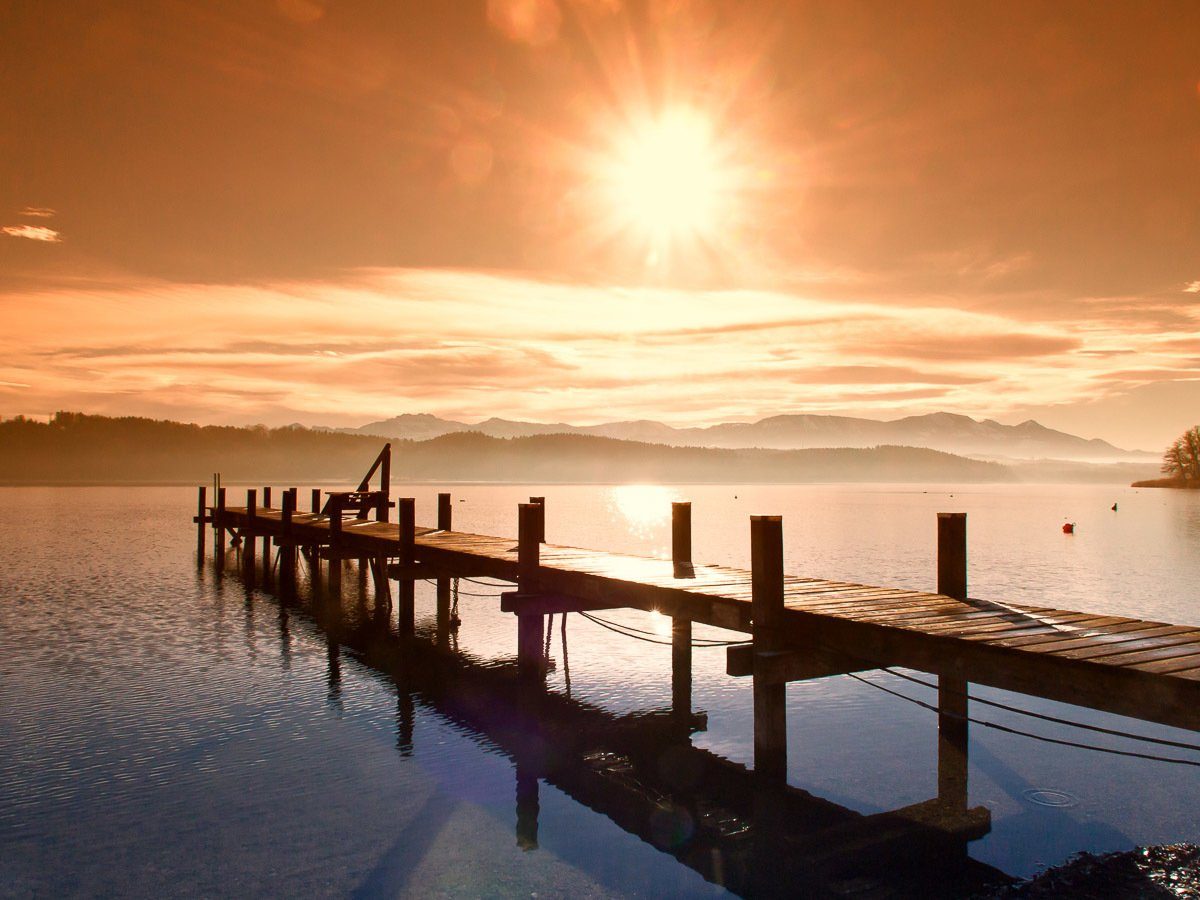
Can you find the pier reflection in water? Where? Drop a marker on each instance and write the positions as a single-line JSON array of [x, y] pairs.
[[749, 834]]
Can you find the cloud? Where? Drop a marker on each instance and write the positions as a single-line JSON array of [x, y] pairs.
[[38, 212], [470, 345], [974, 347], [33, 233], [1192, 287]]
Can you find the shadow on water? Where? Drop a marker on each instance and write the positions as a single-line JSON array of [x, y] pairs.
[[640, 769]]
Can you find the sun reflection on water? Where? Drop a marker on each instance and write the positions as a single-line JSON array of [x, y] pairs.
[[644, 507]]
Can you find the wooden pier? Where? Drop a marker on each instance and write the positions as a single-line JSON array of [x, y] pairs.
[[797, 626]]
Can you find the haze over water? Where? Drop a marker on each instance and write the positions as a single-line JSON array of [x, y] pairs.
[[164, 731]]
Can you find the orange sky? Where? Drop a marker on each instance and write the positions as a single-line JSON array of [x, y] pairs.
[[331, 212]]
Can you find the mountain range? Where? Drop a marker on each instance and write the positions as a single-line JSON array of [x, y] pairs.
[[947, 432]]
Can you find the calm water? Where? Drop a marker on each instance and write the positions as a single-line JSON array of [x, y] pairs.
[[163, 730]]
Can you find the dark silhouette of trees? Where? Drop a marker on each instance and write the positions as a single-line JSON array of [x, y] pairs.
[[73, 448], [1182, 459]]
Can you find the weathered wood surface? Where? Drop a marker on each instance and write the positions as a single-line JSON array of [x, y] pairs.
[[1147, 670]]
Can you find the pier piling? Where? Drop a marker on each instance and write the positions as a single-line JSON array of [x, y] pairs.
[[540, 502], [681, 626], [287, 546], [770, 713], [201, 523], [530, 625], [334, 576], [406, 601], [219, 527], [445, 518], [249, 538], [952, 555], [266, 542], [953, 704]]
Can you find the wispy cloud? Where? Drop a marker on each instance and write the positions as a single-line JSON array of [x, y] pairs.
[[1192, 287], [470, 345], [39, 212], [33, 233]]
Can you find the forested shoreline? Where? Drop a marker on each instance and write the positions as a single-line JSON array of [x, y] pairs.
[[73, 448]]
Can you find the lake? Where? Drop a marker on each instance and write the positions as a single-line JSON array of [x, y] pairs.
[[164, 730]]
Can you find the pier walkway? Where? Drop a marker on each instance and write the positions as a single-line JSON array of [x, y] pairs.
[[1144, 669]]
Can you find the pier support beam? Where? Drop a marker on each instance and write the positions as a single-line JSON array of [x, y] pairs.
[[249, 538], [770, 699], [541, 517], [219, 528], [681, 626], [444, 523], [287, 546], [266, 543], [952, 555], [201, 523], [334, 578], [406, 600], [952, 742], [530, 626], [953, 704]]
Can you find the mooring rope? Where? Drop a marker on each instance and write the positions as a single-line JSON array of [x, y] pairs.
[[1045, 717], [640, 635], [1029, 734]]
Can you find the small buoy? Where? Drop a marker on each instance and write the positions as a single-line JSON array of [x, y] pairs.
[[1114, 507], [1068, 528]]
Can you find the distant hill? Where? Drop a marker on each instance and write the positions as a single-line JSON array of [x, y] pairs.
[[947, 432], [74, 448]]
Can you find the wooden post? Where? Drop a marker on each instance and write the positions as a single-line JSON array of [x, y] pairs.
[[952, 555], [315, 500], [952, 741], [444, 523], [287, 549], [249, 538], [681, 626], [385, 483], [334, 581], [541, 516], [266, 541], [406, 511], [383, 513], [953, 705], [530, 626], [219, 526], [201, 523], [770, 709], [681, 537]]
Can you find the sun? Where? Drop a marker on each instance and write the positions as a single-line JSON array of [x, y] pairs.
[[668, 179]]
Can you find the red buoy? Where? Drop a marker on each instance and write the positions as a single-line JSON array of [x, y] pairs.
[[1068, 528]]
